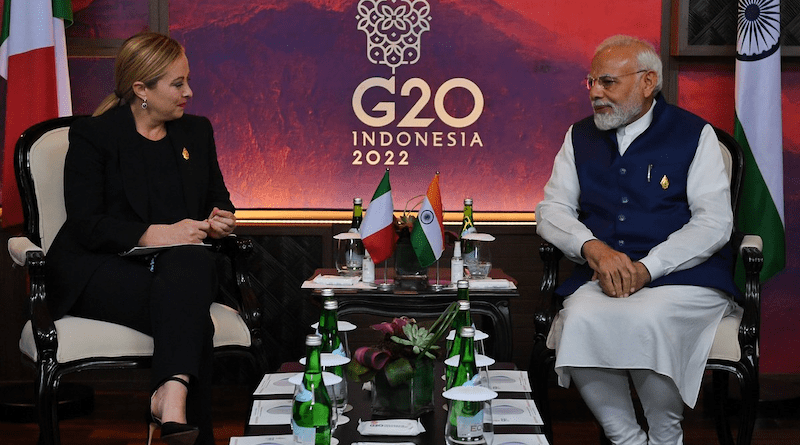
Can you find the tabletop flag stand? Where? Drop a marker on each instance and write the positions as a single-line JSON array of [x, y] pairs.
[[377, 229], [427, 237]]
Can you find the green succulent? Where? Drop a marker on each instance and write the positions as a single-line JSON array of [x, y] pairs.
[[418, 338]]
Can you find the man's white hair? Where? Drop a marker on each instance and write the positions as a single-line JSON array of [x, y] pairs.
[[647, 57]]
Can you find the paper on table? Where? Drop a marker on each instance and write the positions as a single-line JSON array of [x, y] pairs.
[[509, 381], [277, 383], [336, 280], [520, 439], [136, 251], [491, 283], [271, 412], [515, 412], [282, 439], [383, 443]]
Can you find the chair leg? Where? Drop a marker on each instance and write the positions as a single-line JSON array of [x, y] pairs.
[[541, 364], [47, 405], [720, 391], [750, 394]]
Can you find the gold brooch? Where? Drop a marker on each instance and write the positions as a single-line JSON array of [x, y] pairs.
[[186, 154], [664, 182]]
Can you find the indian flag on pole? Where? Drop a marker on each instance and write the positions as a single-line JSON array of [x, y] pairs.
[[427, 237], [758, 128], [33, 60], [377, 229]]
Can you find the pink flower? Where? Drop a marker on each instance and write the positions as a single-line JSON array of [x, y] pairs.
[[393, 328]]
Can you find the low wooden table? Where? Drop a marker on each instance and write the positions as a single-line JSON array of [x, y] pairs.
[[434, 422], [493, 304]]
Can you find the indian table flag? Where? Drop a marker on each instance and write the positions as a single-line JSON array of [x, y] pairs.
[[758, 128], [377, 229], [427, 237], [33, 60]]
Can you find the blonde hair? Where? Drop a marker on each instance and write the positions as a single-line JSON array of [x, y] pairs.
[[142, 58]]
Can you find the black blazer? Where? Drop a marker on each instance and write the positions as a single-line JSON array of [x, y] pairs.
[[105, 192]]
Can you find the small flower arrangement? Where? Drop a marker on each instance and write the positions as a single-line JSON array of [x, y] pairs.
[[404, 343], [401, 365]]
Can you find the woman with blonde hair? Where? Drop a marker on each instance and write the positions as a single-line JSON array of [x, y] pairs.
[[141, 172]]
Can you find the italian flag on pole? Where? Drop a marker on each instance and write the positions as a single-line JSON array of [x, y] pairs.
[[33, 60], [377, 229], [427, 237], [758, 128]]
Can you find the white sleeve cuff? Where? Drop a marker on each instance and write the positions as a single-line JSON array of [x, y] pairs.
[[653, 266]]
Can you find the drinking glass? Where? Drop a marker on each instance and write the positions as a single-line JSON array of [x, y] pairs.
[[478, 261], [349, 254]]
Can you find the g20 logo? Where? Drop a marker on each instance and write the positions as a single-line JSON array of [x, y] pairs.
[[394, 31], [386, 110]]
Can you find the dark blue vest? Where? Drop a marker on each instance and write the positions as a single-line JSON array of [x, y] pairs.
[[634, 202]]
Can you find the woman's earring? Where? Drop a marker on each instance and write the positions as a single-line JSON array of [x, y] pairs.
[[144, 104]]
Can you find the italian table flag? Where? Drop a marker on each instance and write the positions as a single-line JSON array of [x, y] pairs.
[[758, 128], [377, 229], [33, 60], [427, 237]]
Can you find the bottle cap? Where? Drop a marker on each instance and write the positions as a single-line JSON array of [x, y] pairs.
[[462, 284], [357, 201], [313, 340], [457, 249], [330, 305], [467, 332], [463, 305], [327, 292], [467, 201]]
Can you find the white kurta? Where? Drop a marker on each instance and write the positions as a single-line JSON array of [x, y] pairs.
[[667, 329]]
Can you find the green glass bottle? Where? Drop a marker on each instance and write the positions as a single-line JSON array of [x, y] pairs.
[[354, 255], [465, 418], [462, 319], [462, 290], [467, 227], [355, 224], [462, 294], [329, 330], [311, 409]]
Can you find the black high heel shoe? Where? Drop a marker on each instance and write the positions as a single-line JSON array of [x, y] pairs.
[[173, 433]]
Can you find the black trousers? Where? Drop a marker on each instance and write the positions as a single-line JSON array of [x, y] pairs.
[[167, 298]]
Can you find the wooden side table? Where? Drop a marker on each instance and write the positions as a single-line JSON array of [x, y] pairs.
[[493, 304]]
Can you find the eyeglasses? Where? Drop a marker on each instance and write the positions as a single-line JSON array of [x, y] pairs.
[[606, 82]]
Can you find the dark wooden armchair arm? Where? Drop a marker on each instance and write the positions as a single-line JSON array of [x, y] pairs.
[[550, 256], [44, 328], [749, 330], [237, 291]]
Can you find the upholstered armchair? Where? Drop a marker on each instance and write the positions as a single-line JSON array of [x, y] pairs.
[[74, 344]]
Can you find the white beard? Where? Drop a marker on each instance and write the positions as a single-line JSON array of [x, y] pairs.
[[620, 115]]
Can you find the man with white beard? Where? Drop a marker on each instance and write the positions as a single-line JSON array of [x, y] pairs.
[[640, 200]]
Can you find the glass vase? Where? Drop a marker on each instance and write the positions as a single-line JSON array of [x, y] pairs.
[[408, 399], [408, 273]]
